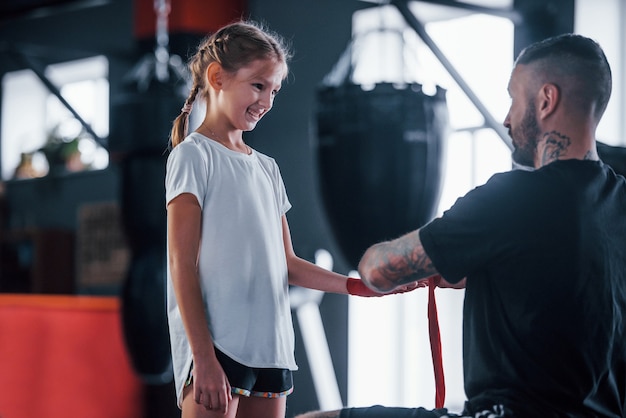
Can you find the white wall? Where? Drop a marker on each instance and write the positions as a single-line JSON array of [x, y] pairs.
[[603, 20]]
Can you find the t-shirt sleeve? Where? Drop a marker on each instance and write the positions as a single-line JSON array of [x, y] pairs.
[[477, 229], [281, 192], [186, 172]]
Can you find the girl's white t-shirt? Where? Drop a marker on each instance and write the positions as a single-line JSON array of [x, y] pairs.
[[242, 265]]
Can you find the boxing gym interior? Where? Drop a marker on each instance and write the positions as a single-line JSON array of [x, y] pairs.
[[392, 109]]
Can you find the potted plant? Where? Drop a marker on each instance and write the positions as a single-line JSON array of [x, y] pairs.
[[60, 151]]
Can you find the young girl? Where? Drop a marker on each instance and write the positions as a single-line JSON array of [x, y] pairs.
[[230, 257]]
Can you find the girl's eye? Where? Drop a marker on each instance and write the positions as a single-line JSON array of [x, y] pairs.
[[258, 86]]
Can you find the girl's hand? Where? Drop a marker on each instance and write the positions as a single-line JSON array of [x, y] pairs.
[[356, 287], [210, 385]]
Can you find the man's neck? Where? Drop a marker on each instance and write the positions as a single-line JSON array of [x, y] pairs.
[[555, 145]]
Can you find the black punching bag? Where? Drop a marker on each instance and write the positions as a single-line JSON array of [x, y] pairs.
[[138, 141], [379, 159]]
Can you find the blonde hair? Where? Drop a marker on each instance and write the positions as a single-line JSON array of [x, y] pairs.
[[233, 47]]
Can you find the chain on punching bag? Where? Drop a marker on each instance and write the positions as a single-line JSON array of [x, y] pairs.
[[379, 155]]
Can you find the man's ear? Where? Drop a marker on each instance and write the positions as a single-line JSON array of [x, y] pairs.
[[214, 75], [549, 99]]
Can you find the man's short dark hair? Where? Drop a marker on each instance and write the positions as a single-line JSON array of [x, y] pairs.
[[577, 61]]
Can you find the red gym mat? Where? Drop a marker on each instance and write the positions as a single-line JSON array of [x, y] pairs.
[[64, 356]]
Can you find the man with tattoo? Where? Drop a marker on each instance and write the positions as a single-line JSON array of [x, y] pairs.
[[541, 253]]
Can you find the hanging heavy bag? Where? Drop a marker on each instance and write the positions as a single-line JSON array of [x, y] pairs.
[[138, 140], [379, 156]]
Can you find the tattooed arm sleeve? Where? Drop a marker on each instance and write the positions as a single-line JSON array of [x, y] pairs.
[[390, 264]]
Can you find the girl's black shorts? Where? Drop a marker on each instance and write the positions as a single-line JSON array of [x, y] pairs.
[[251, 381]]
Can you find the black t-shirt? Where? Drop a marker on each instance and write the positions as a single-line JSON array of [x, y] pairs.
[[544, 253]]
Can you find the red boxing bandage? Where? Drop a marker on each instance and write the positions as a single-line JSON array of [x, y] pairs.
[[435, 342], [357, 288]]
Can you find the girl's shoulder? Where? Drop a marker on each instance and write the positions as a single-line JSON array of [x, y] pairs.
[[192, 150], [195, 139], [264, 158], [194, 143], [268, 162]]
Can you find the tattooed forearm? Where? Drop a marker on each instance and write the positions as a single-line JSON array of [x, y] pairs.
[[555, 146], [402, 262], [391, 264]]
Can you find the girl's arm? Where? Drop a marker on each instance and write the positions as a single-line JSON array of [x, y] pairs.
[[306, 274], [210, 386]]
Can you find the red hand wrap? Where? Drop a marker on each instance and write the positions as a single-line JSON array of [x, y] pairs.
[[435, 343], [357, 288]]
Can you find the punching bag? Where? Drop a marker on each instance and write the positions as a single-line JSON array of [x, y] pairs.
[[379, 156], [141, 121]]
